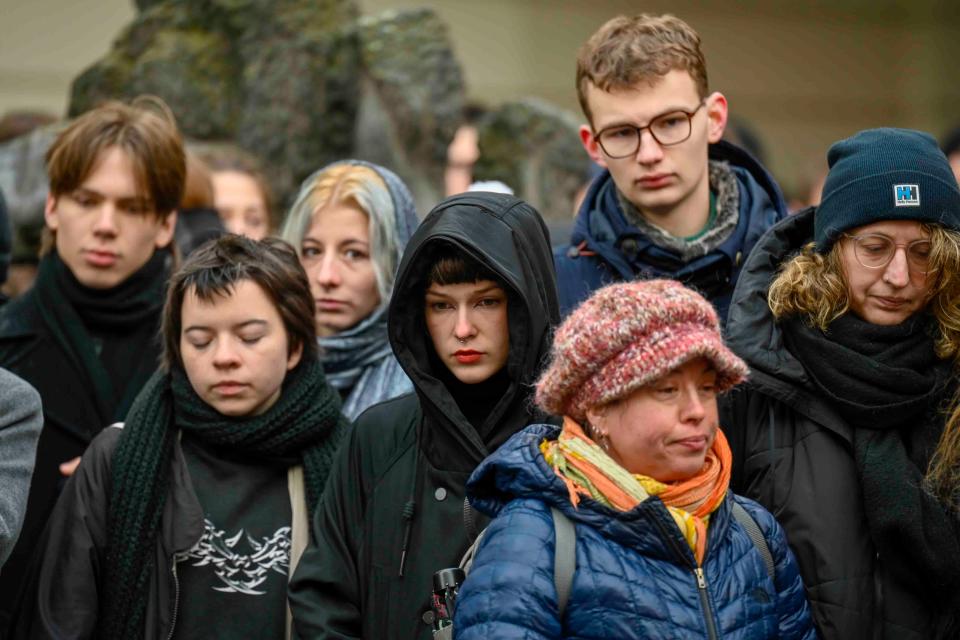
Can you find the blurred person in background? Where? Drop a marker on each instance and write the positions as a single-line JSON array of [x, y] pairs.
[[26, 195], [197, 219], [6, 246], [950, 145], [85, 335], [674, 201], [350, 223], [463, 151], [241, 193], [848, 314]]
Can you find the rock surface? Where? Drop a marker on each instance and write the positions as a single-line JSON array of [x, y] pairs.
[[534, 147], [302, 83]]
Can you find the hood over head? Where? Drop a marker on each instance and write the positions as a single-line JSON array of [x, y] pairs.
[[507, 236]]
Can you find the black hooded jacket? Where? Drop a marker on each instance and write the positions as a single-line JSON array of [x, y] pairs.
[[396, 493], [794, 453]]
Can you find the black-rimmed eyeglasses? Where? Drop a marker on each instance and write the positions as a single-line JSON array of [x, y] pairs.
[[623, 140]]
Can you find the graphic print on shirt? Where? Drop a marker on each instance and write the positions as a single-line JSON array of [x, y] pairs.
[[242, 567]]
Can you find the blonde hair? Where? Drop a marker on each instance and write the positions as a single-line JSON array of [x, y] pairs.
[[943, 473], [812, 285], [363, 187], [642, 48]]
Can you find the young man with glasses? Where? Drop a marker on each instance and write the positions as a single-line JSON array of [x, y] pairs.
[[675, 201]]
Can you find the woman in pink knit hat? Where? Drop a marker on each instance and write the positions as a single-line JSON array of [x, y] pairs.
[[662, 548]]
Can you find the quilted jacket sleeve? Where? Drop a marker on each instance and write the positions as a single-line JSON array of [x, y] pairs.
[[795, 621], [510, 592]]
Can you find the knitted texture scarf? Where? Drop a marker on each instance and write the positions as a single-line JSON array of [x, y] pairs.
[[887, 382], [304, 424], [586, 469], [128, 313], [723, 182], [360, 359]]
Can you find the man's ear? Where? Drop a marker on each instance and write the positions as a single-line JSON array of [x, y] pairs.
[[716, 106], [590, 145], [165, 230], [50, 215]]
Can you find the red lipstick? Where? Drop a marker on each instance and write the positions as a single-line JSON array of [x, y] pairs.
[[467, 356]]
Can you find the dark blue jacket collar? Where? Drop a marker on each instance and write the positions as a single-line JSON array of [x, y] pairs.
[[602, 226]]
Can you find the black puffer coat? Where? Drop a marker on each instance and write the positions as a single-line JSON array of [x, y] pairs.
[[793, 453], [407, 460]]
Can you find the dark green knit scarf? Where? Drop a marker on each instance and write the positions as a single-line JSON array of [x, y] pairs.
[[304, 423]]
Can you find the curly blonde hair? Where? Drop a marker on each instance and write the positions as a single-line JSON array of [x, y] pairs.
[[813, 286]]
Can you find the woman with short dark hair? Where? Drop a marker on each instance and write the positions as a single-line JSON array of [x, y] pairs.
[[187, 521], [349, 224]]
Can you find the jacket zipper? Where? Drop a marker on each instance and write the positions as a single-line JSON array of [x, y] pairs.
[[705, 603], [176, 595], [701, 582]]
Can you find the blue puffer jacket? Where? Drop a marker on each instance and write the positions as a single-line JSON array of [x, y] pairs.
[[604, 248], [635, 572]]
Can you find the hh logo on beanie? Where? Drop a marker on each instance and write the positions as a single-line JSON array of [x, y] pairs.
[[906, 195]]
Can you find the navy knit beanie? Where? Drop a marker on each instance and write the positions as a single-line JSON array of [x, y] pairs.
[[885, 174]]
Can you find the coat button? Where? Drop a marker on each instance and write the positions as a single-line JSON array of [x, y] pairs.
[[427, 616], [440, 494]]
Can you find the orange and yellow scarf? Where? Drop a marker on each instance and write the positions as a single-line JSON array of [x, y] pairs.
[[587, 470]]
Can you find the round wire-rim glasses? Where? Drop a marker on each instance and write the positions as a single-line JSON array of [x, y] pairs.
[[623, 140], [876, 251]]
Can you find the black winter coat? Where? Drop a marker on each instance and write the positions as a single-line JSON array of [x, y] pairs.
[[77, 534], [407, 460], [793, 453], [70, 419]]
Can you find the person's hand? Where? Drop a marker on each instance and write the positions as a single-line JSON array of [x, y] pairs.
[[68, 467]]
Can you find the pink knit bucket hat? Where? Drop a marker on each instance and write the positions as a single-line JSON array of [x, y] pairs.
[[626, 336]]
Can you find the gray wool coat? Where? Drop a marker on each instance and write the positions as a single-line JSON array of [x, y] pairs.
[[21, 418]]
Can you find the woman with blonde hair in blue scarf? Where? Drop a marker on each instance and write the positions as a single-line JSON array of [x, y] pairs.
[[350, 223]]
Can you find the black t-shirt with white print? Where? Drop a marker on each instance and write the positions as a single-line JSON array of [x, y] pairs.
[[233, 582]]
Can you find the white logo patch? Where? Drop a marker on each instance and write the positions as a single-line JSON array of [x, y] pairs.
[[906, 195]]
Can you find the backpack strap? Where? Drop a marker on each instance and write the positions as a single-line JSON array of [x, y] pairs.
[[756, 536], [565, 557]]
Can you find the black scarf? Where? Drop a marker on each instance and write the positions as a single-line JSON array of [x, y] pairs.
[[108, 335], [304, 424], [887, 382]]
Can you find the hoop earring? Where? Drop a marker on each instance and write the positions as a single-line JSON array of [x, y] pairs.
[[605, 442], [601, 438]]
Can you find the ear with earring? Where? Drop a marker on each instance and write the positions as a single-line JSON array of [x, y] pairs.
[[603, 439], [596, 431]]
